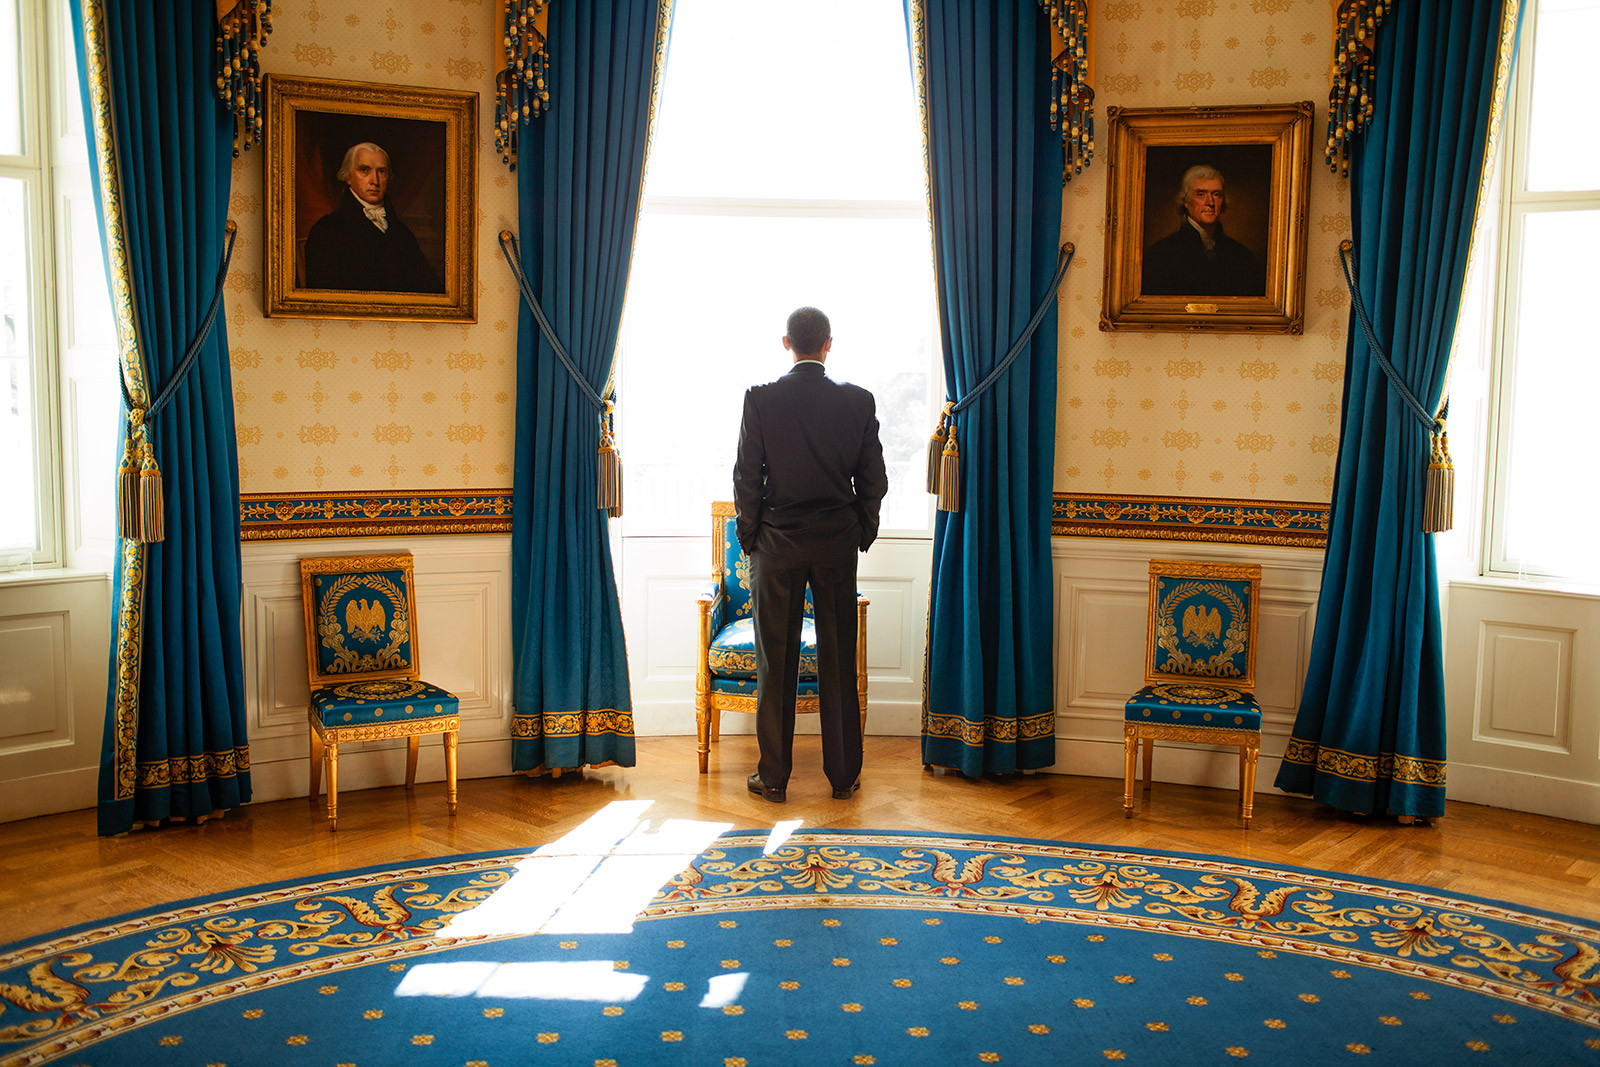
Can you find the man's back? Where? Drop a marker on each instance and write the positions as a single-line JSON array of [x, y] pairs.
[[810, 475]]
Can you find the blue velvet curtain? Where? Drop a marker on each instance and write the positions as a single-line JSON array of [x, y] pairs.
[[579, 173], [995, 171], [1370, 733], [174, 742]]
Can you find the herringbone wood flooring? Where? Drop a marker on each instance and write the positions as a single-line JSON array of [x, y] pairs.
[[55, 872]]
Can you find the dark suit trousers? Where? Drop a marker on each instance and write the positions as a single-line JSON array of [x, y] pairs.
[[778, 594]]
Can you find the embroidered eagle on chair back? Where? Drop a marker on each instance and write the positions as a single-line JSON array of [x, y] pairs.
[[364, 619], [1201, 624], [363, 622], [1201, 627]]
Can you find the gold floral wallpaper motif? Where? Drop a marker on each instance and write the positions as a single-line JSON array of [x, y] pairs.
[[354, 407], [1146, 414]]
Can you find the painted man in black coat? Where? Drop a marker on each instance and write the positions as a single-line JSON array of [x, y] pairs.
[[362, 243], [1198, 258], [807, 487]]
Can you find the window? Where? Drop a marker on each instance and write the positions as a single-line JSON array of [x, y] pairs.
[[786, 169], [25, 399], [58, 393], [1536, 399]]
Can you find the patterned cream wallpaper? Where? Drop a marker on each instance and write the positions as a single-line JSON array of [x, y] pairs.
[[1204, 415], [348, 406]]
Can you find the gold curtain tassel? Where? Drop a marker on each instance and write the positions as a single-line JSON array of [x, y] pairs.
[[935, 458], [609, 492], [950, 474], [1439, 494], [150, 518], [128, 486]]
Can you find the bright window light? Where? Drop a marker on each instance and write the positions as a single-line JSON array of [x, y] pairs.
[[596, 879], [588, 980], [786, 169]]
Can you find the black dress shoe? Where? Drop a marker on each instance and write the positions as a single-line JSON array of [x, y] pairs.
[[846, 794], [777, 796]]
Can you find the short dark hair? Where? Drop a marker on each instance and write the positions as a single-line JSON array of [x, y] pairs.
[[808, 330]]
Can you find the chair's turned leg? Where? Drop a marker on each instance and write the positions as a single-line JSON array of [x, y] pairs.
[[861, 658], [1130, 745], [702, 729], [316, 764], [411, 762], [1149, 755], [1247, 795], [450, 770], [703, 726], [332, 748]]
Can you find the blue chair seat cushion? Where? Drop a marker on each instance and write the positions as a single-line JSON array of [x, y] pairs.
[[746, 687], [733, 651], [1194, 704], [380, 700]]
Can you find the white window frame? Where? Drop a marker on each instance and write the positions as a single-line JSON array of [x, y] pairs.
[[1513, 203], [32, 167]]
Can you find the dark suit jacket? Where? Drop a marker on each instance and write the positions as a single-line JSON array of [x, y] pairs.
[[346, 251], [809, 479]]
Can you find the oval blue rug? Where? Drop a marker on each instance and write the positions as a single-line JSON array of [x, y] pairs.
[[617, 947]]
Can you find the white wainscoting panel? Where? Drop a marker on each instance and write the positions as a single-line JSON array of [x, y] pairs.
[[1102, 590], [1522, 689], [55, 637], [463, 642], [33, 682]]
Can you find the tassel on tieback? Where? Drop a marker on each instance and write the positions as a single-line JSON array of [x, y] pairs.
[[150, 494], [1439, 493], [128, 483], [139, 491], [608, 496], [936, 451], [950, 473]]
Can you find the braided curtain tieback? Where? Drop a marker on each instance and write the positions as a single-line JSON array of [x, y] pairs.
[[944, 453], [139, 490], [608, 490], [1438, 498]]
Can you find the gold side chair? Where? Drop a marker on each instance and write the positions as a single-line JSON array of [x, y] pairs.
[[1200, 669], [361, 662], [725, 671]]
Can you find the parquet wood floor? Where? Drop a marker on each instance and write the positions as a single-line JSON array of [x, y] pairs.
[[55, 872]]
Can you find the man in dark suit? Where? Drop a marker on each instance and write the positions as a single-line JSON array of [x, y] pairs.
[[362, 243], [807, 487]]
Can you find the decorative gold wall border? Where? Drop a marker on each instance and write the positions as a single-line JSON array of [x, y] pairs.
[[1176, 518], [285, 516]]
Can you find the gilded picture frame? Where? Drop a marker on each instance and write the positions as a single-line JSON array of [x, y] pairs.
[[1206, 218], [416, 258]]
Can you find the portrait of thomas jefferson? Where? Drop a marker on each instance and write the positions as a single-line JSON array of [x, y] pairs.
[[1198, 257], [363, 244]]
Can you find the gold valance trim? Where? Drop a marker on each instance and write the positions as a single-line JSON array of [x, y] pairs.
[[1350, 104], [242, 30], [1071, 78], [521, 87]]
